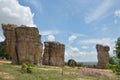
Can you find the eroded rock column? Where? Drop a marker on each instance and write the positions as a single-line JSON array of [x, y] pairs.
[[28, 44], [103, 56], [53, 54], [23, 43], [10, 41]]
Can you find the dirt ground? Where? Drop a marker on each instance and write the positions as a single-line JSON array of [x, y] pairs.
[[99, 73]]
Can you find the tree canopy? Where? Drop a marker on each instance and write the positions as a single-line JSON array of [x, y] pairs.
[[117, 47], [3, 53]]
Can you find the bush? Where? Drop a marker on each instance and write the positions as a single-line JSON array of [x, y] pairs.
[[27, 67], [115, 67], [113, 60], [78, 64], [71, 63], [3, 53]]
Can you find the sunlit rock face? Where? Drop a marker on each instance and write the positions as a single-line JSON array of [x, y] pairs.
[[10, 41], [23, 43], [53, 53], [103, 56]]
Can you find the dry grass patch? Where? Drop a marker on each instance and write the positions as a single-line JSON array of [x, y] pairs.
[[99, 73], [6, 76], [5, 62]]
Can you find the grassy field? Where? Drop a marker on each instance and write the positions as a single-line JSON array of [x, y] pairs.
[[13, 72]]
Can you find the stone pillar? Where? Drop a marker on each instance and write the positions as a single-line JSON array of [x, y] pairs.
[[53, 54], [10, 41], [28, 44], [23, 43], [103, 56]]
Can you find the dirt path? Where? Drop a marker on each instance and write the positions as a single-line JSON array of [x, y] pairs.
[[6, 76], [99, 73], [5, 62]]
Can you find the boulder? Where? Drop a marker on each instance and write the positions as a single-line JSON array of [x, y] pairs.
[[72, 63], [53, 53], [103, 56], [23, 43]]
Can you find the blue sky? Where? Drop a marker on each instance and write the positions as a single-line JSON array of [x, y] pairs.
[[79, 24]]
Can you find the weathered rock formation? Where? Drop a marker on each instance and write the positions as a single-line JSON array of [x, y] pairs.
[[53, 54], [23, 43], [10, 42], [103, 56], [71, 63]]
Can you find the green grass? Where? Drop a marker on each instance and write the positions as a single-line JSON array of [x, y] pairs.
[[45, 73]]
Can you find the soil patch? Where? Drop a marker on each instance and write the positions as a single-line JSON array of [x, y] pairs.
[[99, 73], [6, 76]]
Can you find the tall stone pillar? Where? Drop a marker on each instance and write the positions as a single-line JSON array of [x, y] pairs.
[[28, 44], [10, 41], [103, 56], [23, 43], [53, 54]]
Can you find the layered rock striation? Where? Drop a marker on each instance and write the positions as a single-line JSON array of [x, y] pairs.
[[103, 56], [53, 53], [23, 43]]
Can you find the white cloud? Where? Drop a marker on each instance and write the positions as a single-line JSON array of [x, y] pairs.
[[1, 39], [117, 13], [80, 56], [104, 41], [51, 38], [13, 13], [85, 47], [49, 32], [16, 14], [72, 38], [36, 4], [99, 11]]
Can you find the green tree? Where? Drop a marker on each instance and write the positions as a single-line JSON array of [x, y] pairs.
[[117, 47], [115, 61], [3, 53]]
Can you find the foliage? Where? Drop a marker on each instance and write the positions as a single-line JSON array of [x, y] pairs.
[[113, 60], [79, 64], [27, 67], [114, 68], [73, 64], [117, 48], [114, 65], [3, 53]]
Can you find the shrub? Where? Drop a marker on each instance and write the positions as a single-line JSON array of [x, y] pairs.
[[27, 67], [78, 64], [115, 67], [113, 60], [3, 53], [71, 63]]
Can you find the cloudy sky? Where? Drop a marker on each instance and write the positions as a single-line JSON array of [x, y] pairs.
[[79, 24]]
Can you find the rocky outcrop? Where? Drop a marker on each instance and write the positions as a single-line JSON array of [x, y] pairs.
[[103, 56], [23, 43], [10, 41], [53, 54], [72, 63]]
